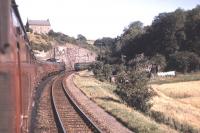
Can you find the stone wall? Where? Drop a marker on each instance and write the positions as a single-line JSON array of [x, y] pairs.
[[71, 54], [40, 29]]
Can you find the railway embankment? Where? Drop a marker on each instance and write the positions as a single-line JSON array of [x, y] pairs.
[[106, 122], [103, 94]]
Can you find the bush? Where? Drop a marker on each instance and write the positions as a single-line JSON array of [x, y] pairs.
[[81, 39], [159, 60], [97, 69], [119, 68], [102, 71], [138, 63], [107, 71], [133, 89], [41, 47], [62, 38]]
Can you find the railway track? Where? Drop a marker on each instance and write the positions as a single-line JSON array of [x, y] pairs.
[[68, 116]]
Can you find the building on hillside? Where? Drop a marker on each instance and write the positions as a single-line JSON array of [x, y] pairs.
[[39, 26]]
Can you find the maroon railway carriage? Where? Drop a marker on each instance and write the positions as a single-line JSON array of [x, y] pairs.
[[20, 72]]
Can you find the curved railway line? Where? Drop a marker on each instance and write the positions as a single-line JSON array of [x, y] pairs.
[[68, 116]]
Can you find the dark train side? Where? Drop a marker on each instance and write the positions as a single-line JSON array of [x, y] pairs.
[[20, 72], [83, 66]]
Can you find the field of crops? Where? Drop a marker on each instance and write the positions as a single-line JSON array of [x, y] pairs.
[[179, 103]]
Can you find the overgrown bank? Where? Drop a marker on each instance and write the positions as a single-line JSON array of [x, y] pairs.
[[103, 94], [177, 112], [45, 42]]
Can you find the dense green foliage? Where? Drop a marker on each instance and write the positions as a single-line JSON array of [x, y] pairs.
[[172, 42], [169, 35], [133, 89], [105, 46], [81, 39], [162, 42], [62, 39], [131, 81], [159, 60], [184, 61], [132, 84], [102, 71]]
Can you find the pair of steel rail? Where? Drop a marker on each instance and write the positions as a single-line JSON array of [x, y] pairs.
[[61, 125]]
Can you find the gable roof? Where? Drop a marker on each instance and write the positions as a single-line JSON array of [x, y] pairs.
[[39, 22]]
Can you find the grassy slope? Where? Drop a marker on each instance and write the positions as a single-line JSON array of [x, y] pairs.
[[102, 94], [46, 40], [39, 39]]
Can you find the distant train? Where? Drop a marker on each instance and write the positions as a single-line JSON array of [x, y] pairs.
[[83, 66], [20, 72]]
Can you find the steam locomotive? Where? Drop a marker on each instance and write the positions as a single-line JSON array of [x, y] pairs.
[[20, 72]]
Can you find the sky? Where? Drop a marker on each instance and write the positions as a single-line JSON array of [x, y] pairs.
[[97, 18]]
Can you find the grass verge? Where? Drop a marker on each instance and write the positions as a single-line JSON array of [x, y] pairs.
[[103, 94]]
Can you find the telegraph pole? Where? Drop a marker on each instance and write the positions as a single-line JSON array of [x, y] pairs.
[[101, 50], [54, 54]]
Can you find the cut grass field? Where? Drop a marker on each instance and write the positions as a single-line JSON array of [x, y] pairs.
[[181, 89], [103, 94], [194, 101], [180, 102]]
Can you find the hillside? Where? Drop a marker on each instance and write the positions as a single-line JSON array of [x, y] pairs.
[[43, 42], [63, 48], [40, 42]]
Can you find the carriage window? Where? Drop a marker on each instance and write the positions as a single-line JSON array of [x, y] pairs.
[[14, 19], [16, 23], [4, 24]]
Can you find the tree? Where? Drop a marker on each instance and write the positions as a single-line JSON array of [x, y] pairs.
[[105, 42], [97, 69], [61, 38], [118, 69], [184, 61], [159, 60], [81, 39], [192, 29], [106, 46], [134, 29], [107, 71], [139, 63], [133, 89], [164, 30]]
